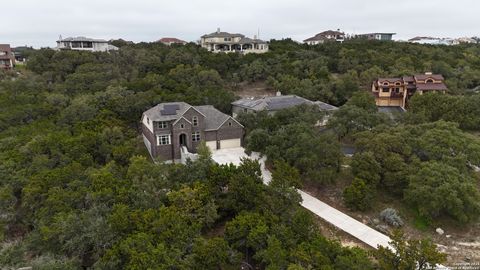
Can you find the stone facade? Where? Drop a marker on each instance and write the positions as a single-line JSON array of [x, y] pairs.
[[189, 127]]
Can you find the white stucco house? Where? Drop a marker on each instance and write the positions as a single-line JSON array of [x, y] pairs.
[[84, 44], [227, 42]]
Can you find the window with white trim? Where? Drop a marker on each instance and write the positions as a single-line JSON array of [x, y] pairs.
[[163, 139], [162, 125], [195, 121], [195, 136]]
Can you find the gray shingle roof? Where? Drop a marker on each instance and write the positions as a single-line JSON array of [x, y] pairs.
[[222, 34], [154, 113], [278, 103], [213, 117]]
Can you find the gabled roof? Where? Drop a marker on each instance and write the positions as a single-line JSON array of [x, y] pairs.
[[323, 35], [390, 80], [431, 86], [171, 40], [278, 103], [423, 77], [213, 117], [155, 113]]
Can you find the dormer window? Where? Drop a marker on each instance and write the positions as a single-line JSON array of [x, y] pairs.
[[429, 81], [195, 121], [162, 125], [385, 83], [397, 83]]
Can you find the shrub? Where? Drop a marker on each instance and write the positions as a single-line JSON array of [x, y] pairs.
[[359, 195], [391, 217]]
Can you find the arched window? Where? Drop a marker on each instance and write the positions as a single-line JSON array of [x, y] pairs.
[[397, 83], [429, 81], [385, 83]]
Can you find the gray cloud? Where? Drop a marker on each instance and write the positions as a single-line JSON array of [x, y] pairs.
[[39, 23]]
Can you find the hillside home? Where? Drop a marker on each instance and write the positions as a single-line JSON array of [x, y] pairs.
[[7, 59], [397, 91], [376, 36], [227, 42], [170, 128], [279, 102], [84, 44], [169, 41], [322, 37]]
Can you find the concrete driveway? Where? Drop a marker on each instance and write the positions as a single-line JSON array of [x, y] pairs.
[[229, 155]]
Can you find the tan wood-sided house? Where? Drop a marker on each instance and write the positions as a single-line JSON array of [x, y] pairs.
[[396, 92]]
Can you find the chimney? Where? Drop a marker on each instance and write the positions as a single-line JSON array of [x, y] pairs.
[[278, 93], [428, 73], [218, 30]]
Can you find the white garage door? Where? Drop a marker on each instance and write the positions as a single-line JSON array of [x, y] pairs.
[[233, 143], [212, 145]]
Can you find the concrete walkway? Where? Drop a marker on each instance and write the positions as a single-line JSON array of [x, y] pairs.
[[338, 219], [344, 222]]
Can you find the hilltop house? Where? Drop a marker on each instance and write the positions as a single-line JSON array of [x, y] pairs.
[[329, 35], [169, 41], [170, 128], [397, 91], [276, 103], [376, 36], [227, 42], [7, 59], [84, 44]]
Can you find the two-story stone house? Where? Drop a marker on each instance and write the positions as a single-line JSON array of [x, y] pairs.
[[168, 127], [227, 42], [397, 91]]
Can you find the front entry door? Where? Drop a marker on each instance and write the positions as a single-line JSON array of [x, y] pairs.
[[183, 140]]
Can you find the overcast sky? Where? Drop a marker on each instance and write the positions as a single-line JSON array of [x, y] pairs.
[[39, 23]]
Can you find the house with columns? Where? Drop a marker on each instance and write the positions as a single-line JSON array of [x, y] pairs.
[[227, 42]]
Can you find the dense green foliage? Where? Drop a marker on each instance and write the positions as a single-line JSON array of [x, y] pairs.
[[409, 254], [464, 110], [76, 189], [429, 165], [290, 135]]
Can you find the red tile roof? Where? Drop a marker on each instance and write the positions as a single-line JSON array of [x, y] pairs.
[[431, 86], [171, 40], [423, 77]]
